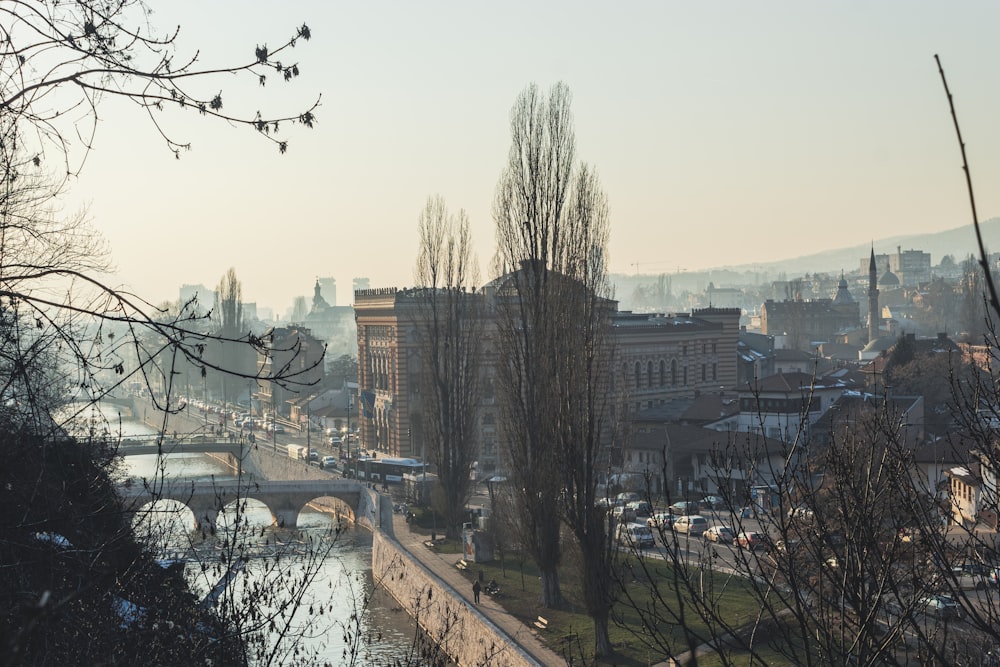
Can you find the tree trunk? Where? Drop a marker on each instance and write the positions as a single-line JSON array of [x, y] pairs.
[[551, 591], [602, 640]]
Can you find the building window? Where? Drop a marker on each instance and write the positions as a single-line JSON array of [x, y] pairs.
[[704, 373], [714, 348], [685, 376], [638, 375], [715, 372], [673, 372], [649, 373], [663, 373]]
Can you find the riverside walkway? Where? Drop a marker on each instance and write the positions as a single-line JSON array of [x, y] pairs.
[[443, 566]]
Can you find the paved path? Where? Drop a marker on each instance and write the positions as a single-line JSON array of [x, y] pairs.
[[443, 567]]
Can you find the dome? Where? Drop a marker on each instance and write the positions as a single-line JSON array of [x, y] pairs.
[[888, 279], [843, 296]]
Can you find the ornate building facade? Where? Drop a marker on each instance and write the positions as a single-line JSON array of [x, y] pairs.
[[662, 358]]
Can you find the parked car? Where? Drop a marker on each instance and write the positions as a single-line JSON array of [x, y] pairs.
[[328, 462], [971, 576], [801, 513], [719, 533], [640, 507], [691, 524], [751, 539], [660, 520], [623, 514], [940, 606], [635, 535], [713, 503], [684, 507], [745, 512], [626, 497]]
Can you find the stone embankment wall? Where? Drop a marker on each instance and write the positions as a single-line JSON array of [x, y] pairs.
[[465, 635], [278, 465]]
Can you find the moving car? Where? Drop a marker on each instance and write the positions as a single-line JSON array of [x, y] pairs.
[[328, 462], [684, 507], [751, 539], [940, 606], [660, 520], [640, 508], [719, 533], [635, 535], [691, 524]]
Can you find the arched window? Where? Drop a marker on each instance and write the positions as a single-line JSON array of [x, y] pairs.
[[649, 373], [638, 375], [663, 373], [673, 372]]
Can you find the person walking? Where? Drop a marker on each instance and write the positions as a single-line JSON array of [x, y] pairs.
[[475, 590]]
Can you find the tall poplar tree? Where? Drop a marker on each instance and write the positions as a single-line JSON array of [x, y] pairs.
[[449, 322], [552, 313]]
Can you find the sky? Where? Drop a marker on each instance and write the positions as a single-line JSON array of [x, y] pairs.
[[724, 133]]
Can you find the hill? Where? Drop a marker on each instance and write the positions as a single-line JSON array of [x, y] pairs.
[[958, 242]]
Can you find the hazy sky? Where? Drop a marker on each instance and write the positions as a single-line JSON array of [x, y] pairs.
[[723, 133]]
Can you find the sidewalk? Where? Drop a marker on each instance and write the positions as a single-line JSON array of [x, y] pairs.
[[443, 567]]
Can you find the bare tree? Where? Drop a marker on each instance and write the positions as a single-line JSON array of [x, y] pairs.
[[66, 333], [582, 304], [91, 51], [228, 324], [449, 318], [529, 209], [553, 314]]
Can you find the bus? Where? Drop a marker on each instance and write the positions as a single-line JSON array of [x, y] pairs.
[[389, 470]]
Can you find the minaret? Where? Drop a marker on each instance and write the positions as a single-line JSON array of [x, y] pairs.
[[873, 314]]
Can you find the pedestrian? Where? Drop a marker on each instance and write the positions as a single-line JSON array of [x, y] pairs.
[[475, 590]]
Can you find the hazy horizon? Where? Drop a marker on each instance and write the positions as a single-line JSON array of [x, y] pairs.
[[724, 134]]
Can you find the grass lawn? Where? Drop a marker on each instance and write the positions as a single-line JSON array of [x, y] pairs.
[[570, 631]]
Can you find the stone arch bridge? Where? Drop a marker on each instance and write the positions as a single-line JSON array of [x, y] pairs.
[[285, 499]]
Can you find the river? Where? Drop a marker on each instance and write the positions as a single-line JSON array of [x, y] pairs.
[[343, 588]]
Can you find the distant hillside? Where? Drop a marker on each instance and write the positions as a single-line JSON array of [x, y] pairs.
[[958, 242]]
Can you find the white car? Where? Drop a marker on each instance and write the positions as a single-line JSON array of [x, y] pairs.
[[719, 533], [661, 520], [691, 524], [635, 535]]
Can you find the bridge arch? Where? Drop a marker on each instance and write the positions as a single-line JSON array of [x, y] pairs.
[[284, 500]]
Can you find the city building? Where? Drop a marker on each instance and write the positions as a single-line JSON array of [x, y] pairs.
[[662, 358], [294, 354], [806, 324]]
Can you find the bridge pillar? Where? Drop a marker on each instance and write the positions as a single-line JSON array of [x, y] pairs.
[[205, 514], [286, 518]]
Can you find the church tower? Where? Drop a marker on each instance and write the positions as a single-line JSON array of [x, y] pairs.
[[873, 314]]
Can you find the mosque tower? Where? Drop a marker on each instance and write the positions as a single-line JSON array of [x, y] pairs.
[[873, 314]]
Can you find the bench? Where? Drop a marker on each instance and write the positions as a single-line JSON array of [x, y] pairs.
[[462, 564], [542, 623]]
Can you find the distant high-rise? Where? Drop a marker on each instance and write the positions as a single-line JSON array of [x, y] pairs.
[[360, 284], [328, 286], [206, 297]]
